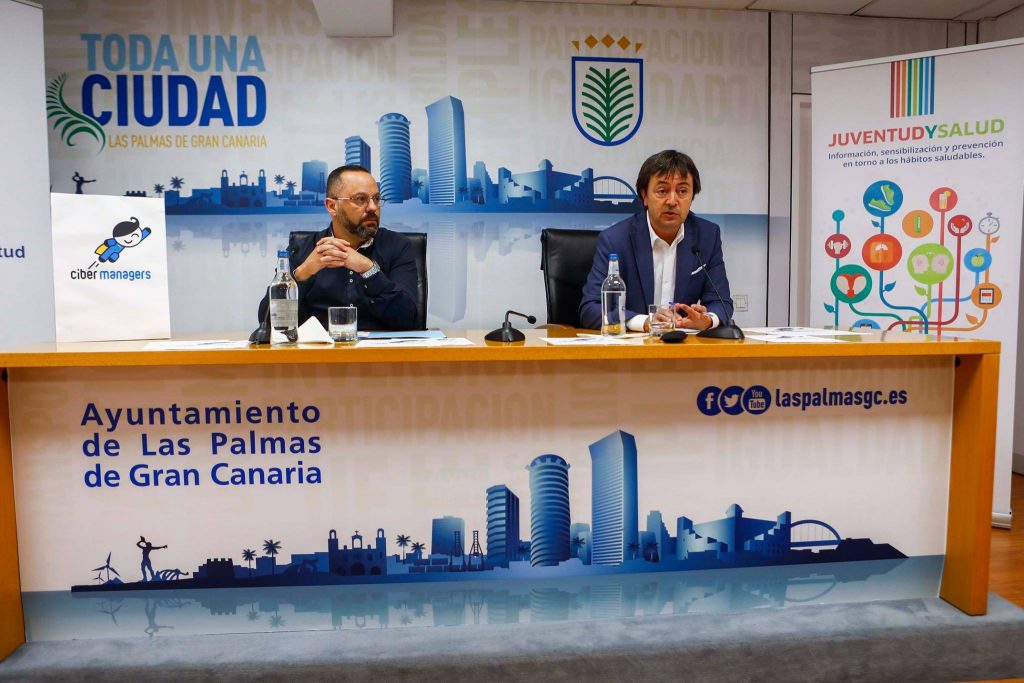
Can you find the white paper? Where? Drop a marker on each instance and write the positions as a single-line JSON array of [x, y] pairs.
[[596, 340], [412, 342], [794, 331], [195, 345], [795, 339]]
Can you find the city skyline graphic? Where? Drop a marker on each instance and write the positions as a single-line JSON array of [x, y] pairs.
[[446, 185], [561, 542]]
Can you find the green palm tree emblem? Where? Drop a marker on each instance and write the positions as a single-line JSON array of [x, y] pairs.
[[69, 122], [607, 100]]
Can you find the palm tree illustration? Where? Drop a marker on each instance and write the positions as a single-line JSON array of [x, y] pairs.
[[106, 567], [158, 189], [253, 615], [272, 548], [633, 548], [402, 542], [524, 550], [577, 544], [279, 181], [276, 621], [651, 551], [290, 186], [249, 555], [418, 548], [177, 183]]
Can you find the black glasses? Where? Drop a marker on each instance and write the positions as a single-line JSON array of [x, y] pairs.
[[362, 200]]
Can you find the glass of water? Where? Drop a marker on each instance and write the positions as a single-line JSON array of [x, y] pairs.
[[342, 323], [661, 320]]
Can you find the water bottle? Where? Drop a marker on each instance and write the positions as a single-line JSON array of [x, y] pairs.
[[613, 301], [284, 304]]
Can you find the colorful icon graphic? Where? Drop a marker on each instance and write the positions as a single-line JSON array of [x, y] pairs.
[[930, 264], [125, 235], [883, 198], [978, 260], [959, 225], [986, 296], [943, 199], [918, 223], [837, 246], [851, 283], [989, 225], [882, 252]]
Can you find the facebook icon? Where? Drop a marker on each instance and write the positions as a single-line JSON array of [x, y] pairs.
[[707, 401]]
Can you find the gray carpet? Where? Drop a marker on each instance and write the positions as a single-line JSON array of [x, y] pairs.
[[907, 640]]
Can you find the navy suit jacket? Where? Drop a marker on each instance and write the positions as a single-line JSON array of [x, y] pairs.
[[631, 240], [386, 301]]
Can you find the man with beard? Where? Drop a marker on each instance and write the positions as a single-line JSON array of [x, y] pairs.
[[354, 261]]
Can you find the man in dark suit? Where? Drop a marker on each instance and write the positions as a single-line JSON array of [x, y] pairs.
[[354, 261], [660, 252]]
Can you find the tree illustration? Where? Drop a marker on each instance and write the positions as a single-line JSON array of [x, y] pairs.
[[70, 122], [290, 185], [249, 555], [276, 621], [402, 542], [651, 551], [524, 550], [253, 615], [158, 189], [272, 548], [606, 102], [279, 181], [177, 183], [577, 545], [418, 548], [634, 547]]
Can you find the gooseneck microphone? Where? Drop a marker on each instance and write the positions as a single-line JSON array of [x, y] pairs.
[[507, 333], [726, 329]]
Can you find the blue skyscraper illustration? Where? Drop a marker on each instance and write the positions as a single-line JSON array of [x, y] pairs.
[[357, 152], [314, 177], [442, 537], [446, 139], [614, 499], [395, 157], [502, 526], [549, 510]]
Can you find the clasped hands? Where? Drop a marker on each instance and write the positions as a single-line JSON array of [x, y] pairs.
[[332, 252], [686, 316]]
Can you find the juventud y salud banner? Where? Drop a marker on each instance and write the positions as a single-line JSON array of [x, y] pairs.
[[918, 175]]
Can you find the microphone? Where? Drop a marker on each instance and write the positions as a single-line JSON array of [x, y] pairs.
[[726, 329], [507, 333], [261, 335]]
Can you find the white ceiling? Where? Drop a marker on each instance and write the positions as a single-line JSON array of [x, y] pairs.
[[962, 10]]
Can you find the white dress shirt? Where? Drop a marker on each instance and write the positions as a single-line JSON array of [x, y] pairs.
[[664, 255]]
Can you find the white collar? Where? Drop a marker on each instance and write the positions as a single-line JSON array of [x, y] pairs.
[[654, 235]]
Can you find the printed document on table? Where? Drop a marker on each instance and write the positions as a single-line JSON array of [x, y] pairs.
[[195, 345], [407, 342], [595, 340], [793, 331], [795, 339]]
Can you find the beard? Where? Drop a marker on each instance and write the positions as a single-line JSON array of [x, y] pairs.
[[362, 229]]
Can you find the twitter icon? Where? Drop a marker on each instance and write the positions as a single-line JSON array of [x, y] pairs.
[[729, 400]]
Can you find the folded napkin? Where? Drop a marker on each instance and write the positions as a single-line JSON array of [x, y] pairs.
[[312, 332]]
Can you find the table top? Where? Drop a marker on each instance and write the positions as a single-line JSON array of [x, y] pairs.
[[133, 353]]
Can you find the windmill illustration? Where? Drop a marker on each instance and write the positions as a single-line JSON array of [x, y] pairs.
[[106, 567]]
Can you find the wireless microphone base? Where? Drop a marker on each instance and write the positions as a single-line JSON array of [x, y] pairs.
[[505, 333]]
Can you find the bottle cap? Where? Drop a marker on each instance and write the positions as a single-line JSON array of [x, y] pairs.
[[613, 256], [282, 253]]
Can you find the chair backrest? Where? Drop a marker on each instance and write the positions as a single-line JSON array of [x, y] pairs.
[[419, 251], [566, 258]]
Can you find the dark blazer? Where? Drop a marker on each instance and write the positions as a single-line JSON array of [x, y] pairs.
[[386, 301], [631, 240]]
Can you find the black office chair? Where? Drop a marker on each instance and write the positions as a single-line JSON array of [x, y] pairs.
[[419, 251], [565, 258]]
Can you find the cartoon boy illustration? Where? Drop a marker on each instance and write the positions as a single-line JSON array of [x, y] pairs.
[[126, 234]]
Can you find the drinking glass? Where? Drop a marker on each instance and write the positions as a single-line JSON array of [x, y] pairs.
[[661, 320], [341, 323]]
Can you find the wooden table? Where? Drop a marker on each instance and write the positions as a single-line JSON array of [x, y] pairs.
[[965, 577]]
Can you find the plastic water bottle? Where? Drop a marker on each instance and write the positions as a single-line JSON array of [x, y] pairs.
[[613, 301], [284, 304]]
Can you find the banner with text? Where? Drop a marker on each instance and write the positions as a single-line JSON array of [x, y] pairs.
[[918, 166]]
